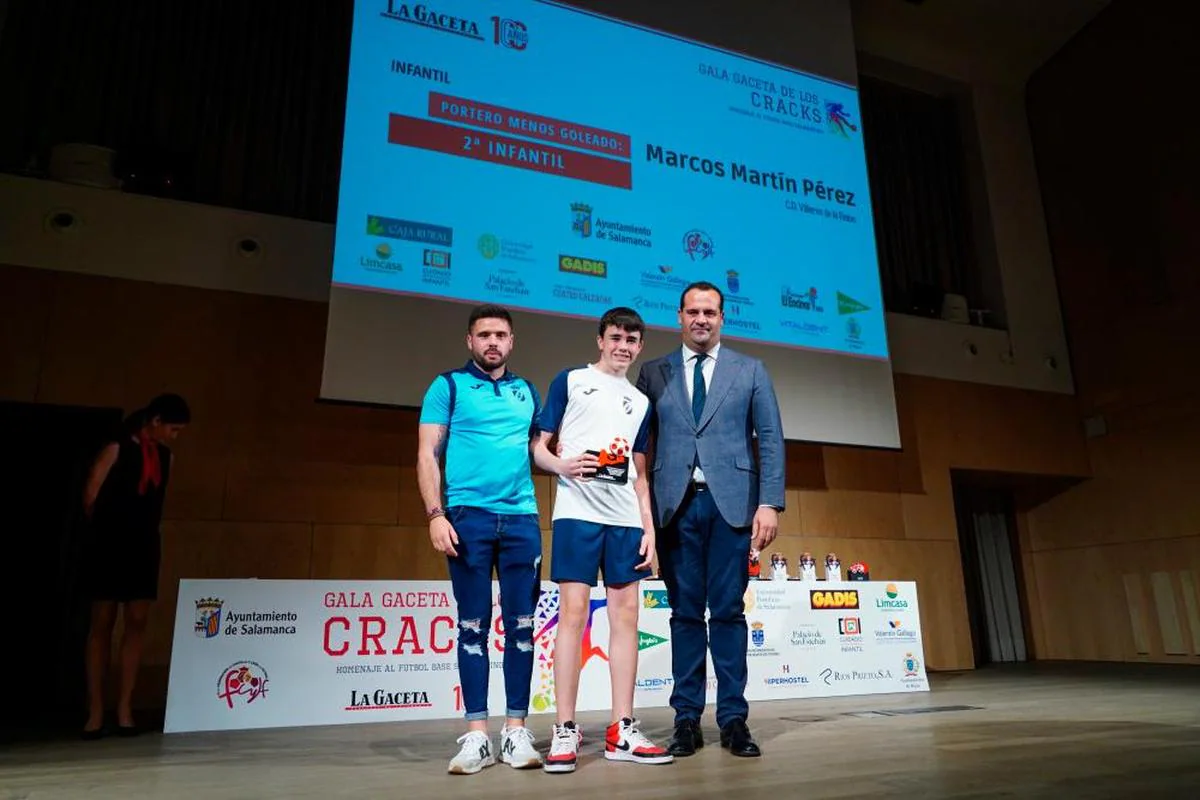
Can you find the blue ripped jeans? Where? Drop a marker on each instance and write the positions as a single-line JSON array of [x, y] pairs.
[[510, 544]]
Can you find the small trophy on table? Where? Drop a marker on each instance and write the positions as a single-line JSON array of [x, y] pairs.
[[778, 567], [755, 567], [808, 567], [833, 567]]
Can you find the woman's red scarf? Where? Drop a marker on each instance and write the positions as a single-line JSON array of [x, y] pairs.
[[151, 465]]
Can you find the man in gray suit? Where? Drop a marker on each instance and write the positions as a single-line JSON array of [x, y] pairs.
[[713, 503]]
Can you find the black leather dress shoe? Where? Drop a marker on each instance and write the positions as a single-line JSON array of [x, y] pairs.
[[736, 736], [687, 739]]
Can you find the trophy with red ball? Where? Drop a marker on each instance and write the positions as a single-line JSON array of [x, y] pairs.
[[859, 571]]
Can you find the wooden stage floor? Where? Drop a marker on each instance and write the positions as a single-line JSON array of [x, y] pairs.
[[1031, 731]]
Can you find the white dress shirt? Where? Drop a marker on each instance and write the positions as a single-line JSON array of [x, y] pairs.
[[689, 375]]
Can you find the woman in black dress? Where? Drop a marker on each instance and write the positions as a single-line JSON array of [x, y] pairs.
[[123, 501]]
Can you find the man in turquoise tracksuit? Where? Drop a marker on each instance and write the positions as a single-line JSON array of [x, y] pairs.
[[480, 417]]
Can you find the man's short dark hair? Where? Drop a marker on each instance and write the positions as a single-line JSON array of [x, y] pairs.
[[703, 286], [623, 318], [488, 311]]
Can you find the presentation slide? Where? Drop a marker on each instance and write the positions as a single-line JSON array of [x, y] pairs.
[[556, 161]]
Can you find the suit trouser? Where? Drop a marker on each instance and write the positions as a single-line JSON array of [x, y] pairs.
[[704, 563]]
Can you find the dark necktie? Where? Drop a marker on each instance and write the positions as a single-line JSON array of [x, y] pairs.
[[698, 390]]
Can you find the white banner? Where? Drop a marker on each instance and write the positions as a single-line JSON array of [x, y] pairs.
[[259, 654]]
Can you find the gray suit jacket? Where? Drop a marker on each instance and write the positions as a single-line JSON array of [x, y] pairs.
[[740, 402]]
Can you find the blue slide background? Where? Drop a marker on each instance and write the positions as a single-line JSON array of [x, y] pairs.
[[587, 70]]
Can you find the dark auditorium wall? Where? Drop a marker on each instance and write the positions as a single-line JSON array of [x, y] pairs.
[[1116, 560], [272, 484]]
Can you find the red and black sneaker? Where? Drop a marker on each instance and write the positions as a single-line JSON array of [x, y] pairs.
[[564, 748], [624, 742]]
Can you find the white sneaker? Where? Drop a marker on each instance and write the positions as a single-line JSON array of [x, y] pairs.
[[624, 741], [516, 748], [476, 753], [564, 748]]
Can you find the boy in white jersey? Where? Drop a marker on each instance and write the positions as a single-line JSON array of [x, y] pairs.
[[602, 521]]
